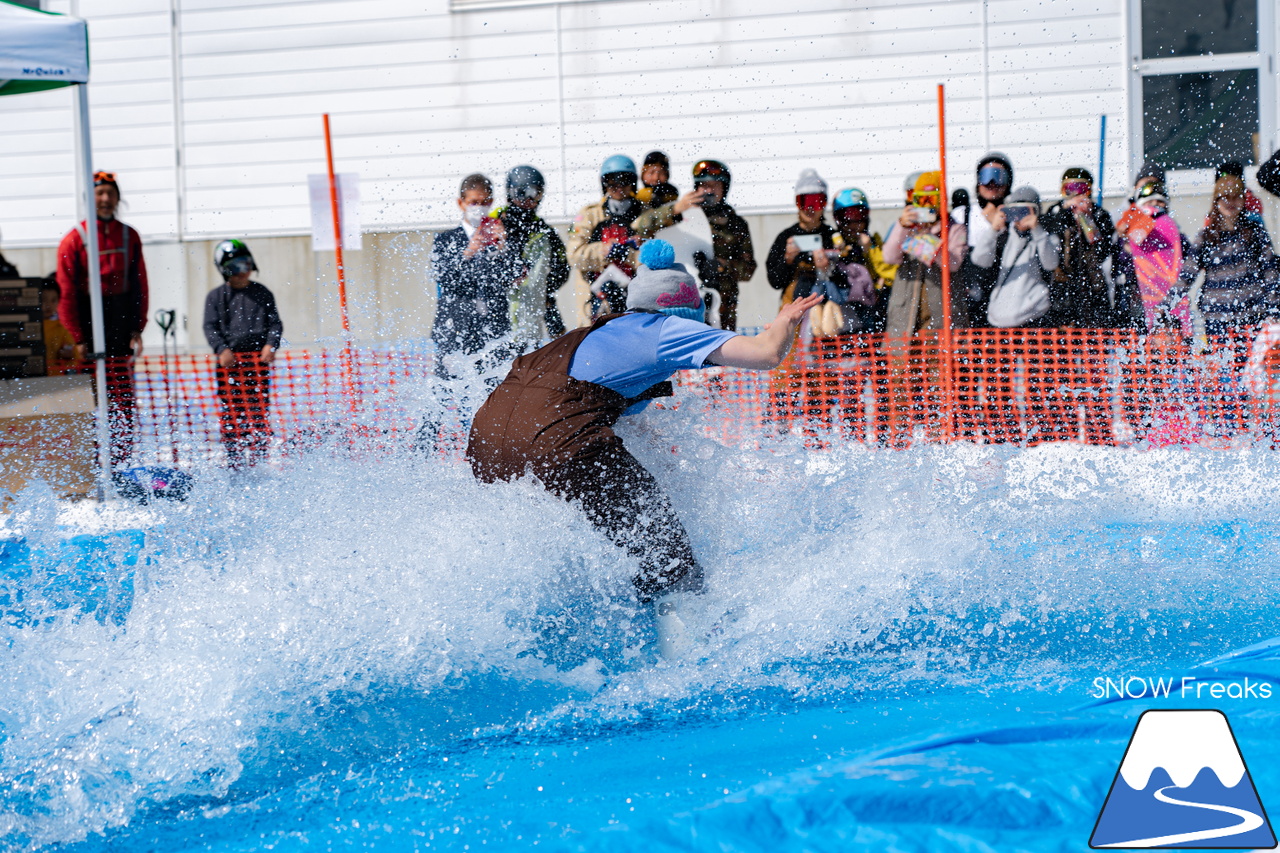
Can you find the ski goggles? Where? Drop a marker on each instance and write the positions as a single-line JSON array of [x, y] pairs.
[[238, 266], [853, 214], [927, 197], [1071, 189], [1152, 192], [993, 176], [627, 180], [709, 170], [100, 178], [528, 192], [811, 201]]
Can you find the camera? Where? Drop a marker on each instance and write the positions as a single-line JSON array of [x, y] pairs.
[[924, 215], [1016, 212], [808, 242]]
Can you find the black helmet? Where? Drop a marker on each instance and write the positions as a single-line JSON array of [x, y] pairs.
[[711, 170], [231, 257], [524, 182]]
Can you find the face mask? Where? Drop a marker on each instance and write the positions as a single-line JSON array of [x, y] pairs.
[[617, 206], [474, 214]]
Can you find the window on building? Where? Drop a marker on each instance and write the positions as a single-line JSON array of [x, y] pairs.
[[1200, 79]]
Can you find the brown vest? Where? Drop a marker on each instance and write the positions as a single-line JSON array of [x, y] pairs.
[[541, 418]]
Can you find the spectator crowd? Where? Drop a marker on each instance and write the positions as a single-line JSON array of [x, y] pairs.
[[1015, 261]]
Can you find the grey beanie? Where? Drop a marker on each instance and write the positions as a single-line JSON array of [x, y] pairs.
[[1024, 195], [810, 182], [666, 286], [909, 184]]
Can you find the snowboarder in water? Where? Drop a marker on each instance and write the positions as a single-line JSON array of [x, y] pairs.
[[553, 417]]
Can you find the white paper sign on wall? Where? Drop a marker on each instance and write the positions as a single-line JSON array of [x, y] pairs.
[[322, 212]]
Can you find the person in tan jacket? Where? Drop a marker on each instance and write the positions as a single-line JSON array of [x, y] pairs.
[[602, 237]]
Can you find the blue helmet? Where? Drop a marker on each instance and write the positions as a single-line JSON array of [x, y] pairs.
[[852, 197], [618, 164]]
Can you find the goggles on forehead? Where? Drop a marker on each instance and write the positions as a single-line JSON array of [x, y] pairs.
[[707, 170], [1152, 191], [811, 201], [1075, 188], [104, 178], [993, 176]]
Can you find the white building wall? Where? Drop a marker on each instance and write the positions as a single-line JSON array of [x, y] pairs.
[[420, 95], [210, 112]]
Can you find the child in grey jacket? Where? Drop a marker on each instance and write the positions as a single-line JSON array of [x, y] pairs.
[[1021, 293]]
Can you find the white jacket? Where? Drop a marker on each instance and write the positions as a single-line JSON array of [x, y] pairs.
[[1021, 294]]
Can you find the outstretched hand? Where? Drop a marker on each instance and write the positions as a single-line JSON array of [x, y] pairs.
[[793, 312], [766, 350]]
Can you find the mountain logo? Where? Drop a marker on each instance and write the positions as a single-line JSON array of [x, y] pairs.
[[1183, 784]]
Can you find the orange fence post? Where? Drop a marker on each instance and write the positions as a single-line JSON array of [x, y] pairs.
[[948, 350], [348, 382]]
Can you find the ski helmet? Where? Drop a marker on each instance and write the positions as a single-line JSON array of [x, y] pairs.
[[618, 164], [524, 182], [1000, 159], [712, 170], [852, 197], [909, 185], [231, 257], [657, 158]]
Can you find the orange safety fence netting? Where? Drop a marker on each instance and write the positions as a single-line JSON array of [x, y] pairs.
[[1024, 386]]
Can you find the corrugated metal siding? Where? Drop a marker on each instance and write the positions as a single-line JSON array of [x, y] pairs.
[[420, 96]]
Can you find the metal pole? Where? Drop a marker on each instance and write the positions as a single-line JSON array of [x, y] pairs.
[[93, 262], [948, 379], [347, 380]]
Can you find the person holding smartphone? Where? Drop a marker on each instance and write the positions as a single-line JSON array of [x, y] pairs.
[[798, 253], [915, 245], [1083, 281], [1020, 296], [473, 272], [733, 259]]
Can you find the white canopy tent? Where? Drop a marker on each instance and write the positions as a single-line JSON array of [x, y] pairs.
[[42, 50]]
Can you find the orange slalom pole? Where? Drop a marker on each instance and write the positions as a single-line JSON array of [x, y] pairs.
[[347, 380], [948, 378]]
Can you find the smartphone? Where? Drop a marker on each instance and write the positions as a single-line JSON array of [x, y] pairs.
[[808, 242], [924, 215], [1016, 212]]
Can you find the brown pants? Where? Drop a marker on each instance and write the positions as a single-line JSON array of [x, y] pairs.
[[628, 506]]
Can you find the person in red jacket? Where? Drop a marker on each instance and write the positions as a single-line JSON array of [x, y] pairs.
[[124, 306]]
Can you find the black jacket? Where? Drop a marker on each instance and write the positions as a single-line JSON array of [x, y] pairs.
[[241, 320], [1080, 288], [1269, 174], [521, 225], [472, 307], [801, 272]]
